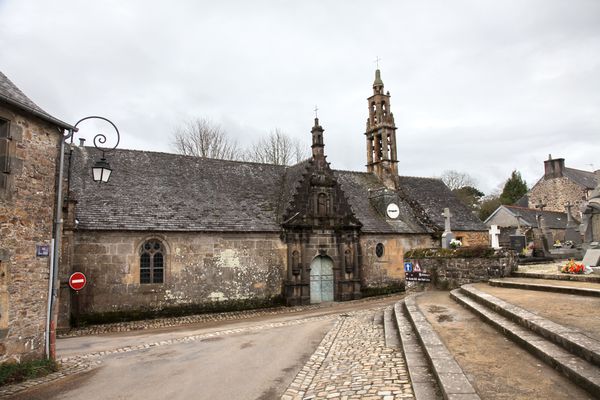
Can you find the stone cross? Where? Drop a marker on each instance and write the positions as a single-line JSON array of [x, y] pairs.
[[447, 236], [568, 207], [377, 61], [518, 217], [447, 216], [571, 232], [495, 233]]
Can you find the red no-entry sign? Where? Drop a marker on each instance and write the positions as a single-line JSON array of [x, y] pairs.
[[77, 281]]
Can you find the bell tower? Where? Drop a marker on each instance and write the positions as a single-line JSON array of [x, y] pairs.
[[382, 158]]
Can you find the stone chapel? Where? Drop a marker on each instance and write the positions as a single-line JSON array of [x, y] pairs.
[[170, 230]]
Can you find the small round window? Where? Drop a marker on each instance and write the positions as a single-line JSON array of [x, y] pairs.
[[379, 250]]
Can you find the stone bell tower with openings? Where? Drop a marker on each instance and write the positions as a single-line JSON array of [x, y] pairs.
[[382, 158]]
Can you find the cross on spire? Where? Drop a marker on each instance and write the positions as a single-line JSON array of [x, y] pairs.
[[315, 110], [377, 61]]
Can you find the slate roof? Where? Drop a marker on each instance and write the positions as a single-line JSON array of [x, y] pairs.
[[586, 179], [11, 94], [433, 196], [171, 192], [356, 185], [553, 219], [168, 192]]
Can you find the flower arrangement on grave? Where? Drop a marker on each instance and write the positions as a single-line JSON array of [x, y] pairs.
[[571, 267], [455, 243], [557, 244], [569, 244]]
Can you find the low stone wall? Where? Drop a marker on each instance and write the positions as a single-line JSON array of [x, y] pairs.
[[449, 272]]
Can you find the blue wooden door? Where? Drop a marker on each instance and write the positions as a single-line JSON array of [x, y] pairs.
[[321, 280]]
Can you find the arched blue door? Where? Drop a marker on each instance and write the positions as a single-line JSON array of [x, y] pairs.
[[321, 280]]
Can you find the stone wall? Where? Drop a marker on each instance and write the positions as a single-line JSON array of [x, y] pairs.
[[199, 267], [387, 270], [556, 192], [473, 238], [450, 273], [26, 214]]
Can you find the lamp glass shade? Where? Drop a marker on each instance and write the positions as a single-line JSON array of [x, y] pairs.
[[101, 171]]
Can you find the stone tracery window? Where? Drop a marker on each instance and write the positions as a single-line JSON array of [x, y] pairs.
[[152, 262]]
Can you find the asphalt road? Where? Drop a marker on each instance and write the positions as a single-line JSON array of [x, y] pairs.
[[257, 364]]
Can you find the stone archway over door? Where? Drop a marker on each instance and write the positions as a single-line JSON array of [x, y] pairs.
[[321, 280]]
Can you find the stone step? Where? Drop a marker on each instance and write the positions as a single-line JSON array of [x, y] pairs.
[[571, 339], [576, 369], [557, 276], [390, 329], [515, 284], [422, 379], [448, 374]]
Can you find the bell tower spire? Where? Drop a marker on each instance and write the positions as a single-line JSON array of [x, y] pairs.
[[382, 158]]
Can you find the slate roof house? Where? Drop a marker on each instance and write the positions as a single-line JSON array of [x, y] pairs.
[[561, 185], [30, 143], [169, 230], [505, 217]]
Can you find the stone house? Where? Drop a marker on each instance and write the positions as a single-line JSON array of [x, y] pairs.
[[561, 185], [170, 230], [30, 142], [505, 217]]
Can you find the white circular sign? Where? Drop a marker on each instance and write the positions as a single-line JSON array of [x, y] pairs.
[[393, 211]]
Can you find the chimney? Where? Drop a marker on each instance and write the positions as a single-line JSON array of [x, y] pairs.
[[554, 168], [81, 142]]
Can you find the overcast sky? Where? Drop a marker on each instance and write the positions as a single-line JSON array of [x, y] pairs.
[[482, 87]]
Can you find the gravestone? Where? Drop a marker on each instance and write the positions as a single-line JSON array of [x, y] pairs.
[[494, 236], [572, 232], [447, 236], [518, 243], [591, 258]]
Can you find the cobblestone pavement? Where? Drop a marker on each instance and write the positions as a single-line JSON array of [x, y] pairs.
[[352, 362]]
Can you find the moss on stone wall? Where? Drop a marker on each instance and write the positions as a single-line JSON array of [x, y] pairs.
[[177, 311], [462, 252]]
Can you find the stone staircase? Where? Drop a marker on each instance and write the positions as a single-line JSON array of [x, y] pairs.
[[434, 370]]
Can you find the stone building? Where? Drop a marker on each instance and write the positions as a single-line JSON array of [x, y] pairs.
[[170, 230], [29, 152], [509, 218], [561, 185]]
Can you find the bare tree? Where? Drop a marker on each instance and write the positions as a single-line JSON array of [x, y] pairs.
[[201, 138], [456, 180], [276, 148]]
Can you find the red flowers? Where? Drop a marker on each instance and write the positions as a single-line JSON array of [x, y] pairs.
[[572, 267]]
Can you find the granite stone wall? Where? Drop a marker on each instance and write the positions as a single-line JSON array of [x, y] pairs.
[[473, 238], [26, 214], [387, 270], [199, 267], [556, 192], [450, 273]]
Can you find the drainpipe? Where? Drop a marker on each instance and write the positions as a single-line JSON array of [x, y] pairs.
[[54, 260]]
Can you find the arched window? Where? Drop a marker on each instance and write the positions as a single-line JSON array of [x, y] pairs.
[[152, 262]]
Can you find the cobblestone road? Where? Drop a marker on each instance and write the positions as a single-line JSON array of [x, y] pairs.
[[352, 362]]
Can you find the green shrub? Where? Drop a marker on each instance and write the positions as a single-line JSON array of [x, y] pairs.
[[177, 311], [461, 252], [381, 291], [18, 372]]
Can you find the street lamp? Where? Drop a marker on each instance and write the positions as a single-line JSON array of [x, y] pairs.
[[101, 170], [100, 173]]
